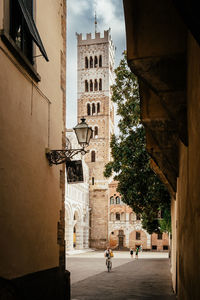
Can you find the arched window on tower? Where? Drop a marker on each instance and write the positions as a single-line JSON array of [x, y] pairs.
[[91, 85], [98, 107], [100, 61], [95, 131], [95, 62], [91, 62], [88, 109], [93, 154], [86, 62], [86, 86], [100, 84], [95, 85], [93, 108]]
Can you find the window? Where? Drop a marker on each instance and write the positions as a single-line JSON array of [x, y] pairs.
[[117, 200], [95, 85], [98, 107], [117, 216], [95, 62], [93, 108], [137, 235], [138, 218], [91, 62], [91, 85], [93, 156], [23, 30], [88, 109], [86, 86], [159, 236], [100, 60], [86, 62], [131, 217], [165, 247], [100, 84], [123, 216], [111, 217], [92, 180], [95, 131], [112, 200], [154, 247]]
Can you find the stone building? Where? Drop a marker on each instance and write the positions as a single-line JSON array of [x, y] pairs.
[[124, 226], [163, 50], [77, 206], [95, 76], [32, 118]]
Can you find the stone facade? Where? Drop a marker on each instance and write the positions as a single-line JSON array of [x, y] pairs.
[[124, 226], [95, 76], [77, 206]]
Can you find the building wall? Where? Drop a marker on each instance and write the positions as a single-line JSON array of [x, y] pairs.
[[32, 118], [124, 229], [188, 186], [103, 119], [77, 206]]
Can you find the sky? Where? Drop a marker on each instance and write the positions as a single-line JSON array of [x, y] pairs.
[[80, 19]]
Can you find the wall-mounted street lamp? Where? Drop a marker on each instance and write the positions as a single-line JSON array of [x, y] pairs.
[[83, 134]]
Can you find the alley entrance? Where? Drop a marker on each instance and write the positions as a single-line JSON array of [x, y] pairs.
[[147, 278]]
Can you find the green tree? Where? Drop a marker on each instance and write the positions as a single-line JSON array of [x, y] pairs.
[[139, 186]]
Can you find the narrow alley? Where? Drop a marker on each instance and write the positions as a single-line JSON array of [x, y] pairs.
[[146, 278]]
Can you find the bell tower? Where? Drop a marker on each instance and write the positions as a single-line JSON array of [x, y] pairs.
[[95, 75]]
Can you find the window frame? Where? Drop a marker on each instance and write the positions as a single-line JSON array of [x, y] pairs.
[[6, 38]]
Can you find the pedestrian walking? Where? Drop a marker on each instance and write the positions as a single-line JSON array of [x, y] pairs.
[[131, 252], [136, 252]]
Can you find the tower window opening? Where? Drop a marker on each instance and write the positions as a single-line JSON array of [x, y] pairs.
[[98, 107], [91, 62], [86, 62], [117, 216], [91, 85], [95, 85], [86, 86], [95, 130], [100, 84], [93, 154], [100, 61], [88, 109], [92, 180], [93, 108], [95, 62]]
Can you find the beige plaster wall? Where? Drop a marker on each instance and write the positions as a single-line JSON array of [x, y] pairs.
[[30, 121]]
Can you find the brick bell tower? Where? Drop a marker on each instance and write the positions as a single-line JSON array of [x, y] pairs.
[[95, 76]]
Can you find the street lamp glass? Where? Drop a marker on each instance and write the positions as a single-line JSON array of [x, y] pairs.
[[83, 133]]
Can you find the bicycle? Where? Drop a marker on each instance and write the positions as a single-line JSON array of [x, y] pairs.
[[109, 264]]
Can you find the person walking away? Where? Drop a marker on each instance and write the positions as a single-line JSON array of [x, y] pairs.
[[136, 252], [131, 252]]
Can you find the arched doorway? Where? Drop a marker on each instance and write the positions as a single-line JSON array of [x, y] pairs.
[[121, 239]]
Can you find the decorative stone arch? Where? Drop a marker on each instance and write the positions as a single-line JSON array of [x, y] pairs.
[[68, 226], [77, 229]]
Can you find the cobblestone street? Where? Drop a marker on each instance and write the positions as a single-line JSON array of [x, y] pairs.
[[146, 278]]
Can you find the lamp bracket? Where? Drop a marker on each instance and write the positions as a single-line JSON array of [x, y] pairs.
[[57, 157]]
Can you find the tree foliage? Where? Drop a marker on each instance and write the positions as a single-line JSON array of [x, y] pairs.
[[139, 186]]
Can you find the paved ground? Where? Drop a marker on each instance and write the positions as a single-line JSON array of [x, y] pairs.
[[147, 278]]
